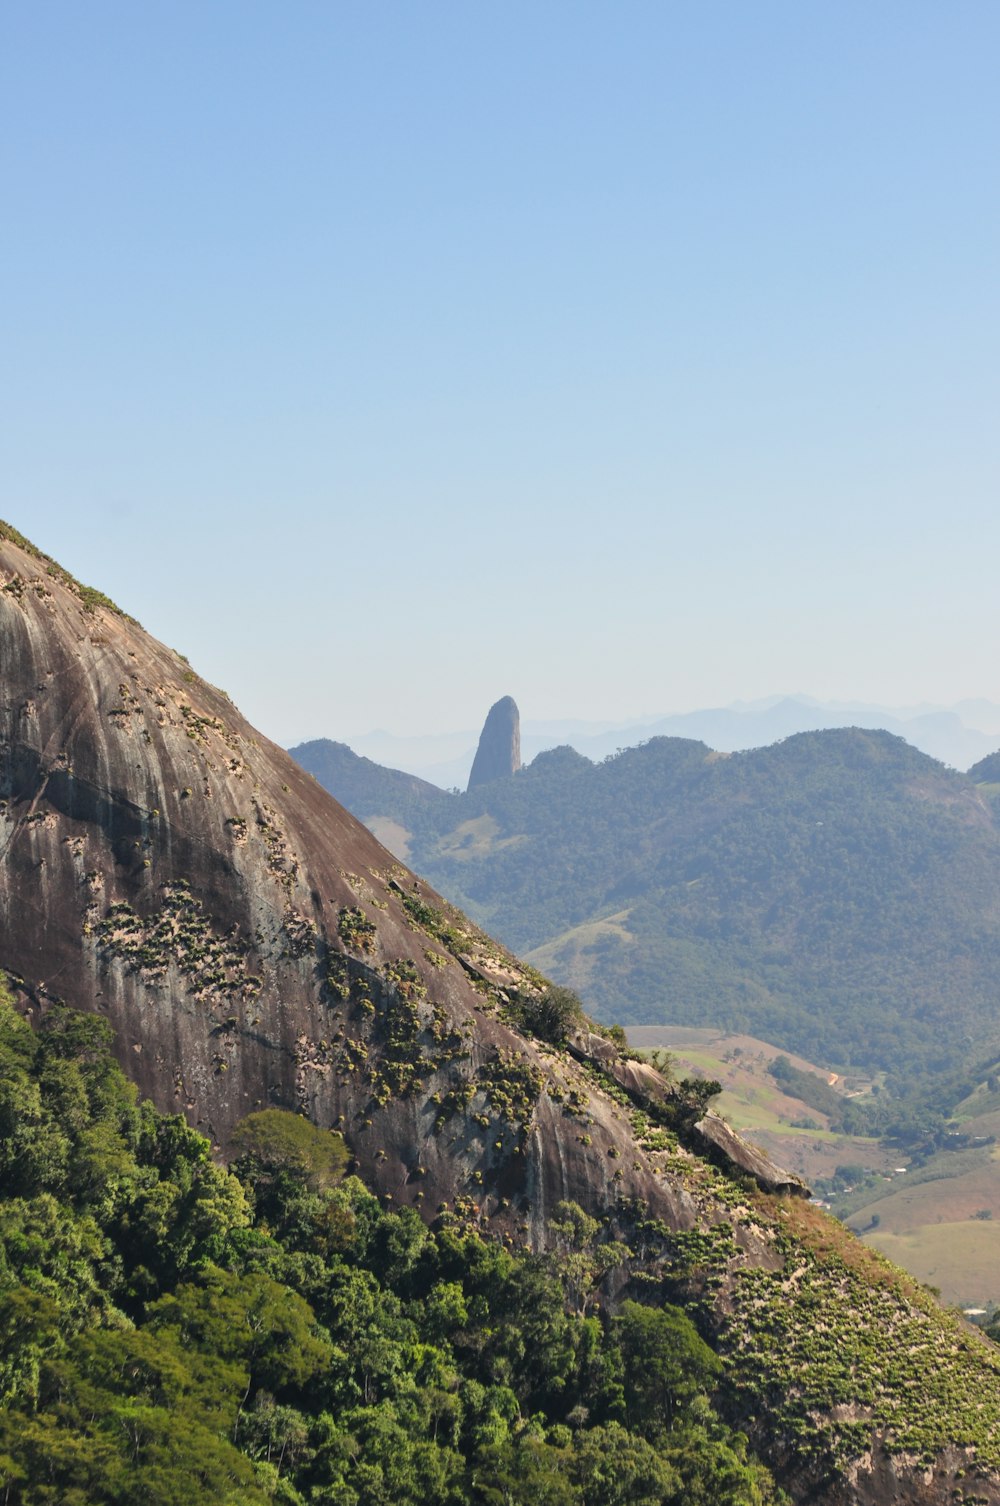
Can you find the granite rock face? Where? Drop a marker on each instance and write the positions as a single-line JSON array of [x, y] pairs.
[[163, 863], [723, 1144], [499, 752], [252, 944]]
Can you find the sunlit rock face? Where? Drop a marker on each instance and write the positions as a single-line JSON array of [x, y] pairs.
[[499, 752], [252, 943]]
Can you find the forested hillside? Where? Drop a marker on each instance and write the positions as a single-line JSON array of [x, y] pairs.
[[837, 893], [172, 1331]]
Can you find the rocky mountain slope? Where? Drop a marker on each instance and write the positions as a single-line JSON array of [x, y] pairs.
[[248, 939], [252, 944]]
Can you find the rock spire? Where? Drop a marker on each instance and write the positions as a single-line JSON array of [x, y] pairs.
[[499, 751]]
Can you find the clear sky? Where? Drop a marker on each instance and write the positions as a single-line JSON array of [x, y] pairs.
[[386, 358]]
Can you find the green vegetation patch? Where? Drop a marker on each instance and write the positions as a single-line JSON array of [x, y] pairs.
[[355, 930], [512, 1084], [274, 1143], [178, 935], [815, 1337], [436, 923]]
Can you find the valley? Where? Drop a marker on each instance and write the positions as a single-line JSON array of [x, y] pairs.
[[939, 1217]]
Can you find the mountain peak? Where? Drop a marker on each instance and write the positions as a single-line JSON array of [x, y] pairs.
[[253, 944], [499, 752]]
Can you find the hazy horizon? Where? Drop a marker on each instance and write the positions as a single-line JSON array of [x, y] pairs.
[[539, 723], [958, 736], [626, 359]]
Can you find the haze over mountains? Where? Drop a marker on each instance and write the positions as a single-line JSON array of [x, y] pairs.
[[837, 893], [958, 735]]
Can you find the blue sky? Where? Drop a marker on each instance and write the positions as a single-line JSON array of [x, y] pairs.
[[386, 359]]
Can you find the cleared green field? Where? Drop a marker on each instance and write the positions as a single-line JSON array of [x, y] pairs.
[[926, 1222], [942, 1222], [912, 1206], [753, 1101], [961, 1259], [392, 835], [571, 954], [982, 1105], [475, 839]]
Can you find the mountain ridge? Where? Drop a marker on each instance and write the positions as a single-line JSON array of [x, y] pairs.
[[958, 735], [838, 891]]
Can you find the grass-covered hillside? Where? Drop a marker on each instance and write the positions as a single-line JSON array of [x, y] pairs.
[[925, 1190], [837, 893]]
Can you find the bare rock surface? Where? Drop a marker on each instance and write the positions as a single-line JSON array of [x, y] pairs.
[[499, 752], [724, 1144], [252, 943]]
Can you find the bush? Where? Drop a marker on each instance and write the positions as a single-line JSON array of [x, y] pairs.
[[275, 1141], [552, 1016]]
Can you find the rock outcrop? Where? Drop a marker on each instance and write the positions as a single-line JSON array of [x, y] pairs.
[[165, 865], [252, 943], [724, 1145], [651, 1091], [499, 752]]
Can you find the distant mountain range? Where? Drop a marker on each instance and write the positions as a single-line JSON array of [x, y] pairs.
[[958, 735], [837, 893]]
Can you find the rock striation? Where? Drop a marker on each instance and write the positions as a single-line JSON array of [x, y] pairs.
[[164, 864], [499, 752], [252, 943]]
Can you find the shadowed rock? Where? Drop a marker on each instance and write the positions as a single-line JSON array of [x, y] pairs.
[[499, 752], [728, 1148]]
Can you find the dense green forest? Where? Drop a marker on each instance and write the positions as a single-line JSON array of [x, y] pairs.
[[837, 893], [174, 1331]]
